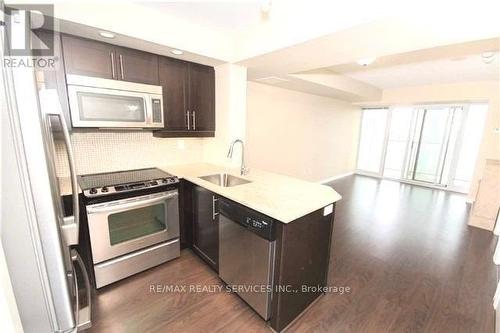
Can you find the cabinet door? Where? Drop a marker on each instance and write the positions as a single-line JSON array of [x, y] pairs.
[[202, 97], [88, 57], [136, 66], [205, 226], [173, 79]]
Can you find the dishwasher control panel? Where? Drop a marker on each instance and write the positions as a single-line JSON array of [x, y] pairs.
[[258, 223]]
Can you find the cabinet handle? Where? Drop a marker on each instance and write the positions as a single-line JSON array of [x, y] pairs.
[[194, 120], [121, 67], [112, 64], [214, 213], [188, 120]]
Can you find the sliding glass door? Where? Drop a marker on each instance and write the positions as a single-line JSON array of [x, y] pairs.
[[435, 144], [430, 143], [398, 142]]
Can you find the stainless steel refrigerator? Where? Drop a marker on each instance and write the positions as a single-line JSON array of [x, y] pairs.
[[48, 278]]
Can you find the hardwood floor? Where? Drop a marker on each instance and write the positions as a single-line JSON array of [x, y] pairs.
[[411, 262]]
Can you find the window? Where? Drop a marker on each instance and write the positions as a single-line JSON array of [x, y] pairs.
[[430, 144], [397, 143], [372, 137], [469, 148]]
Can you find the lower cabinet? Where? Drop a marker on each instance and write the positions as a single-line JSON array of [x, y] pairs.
[[205, 240]]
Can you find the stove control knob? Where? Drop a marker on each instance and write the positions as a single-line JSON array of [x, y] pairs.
[[93, 190], [104, 189]]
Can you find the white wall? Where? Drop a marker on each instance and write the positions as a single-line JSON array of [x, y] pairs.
[[301, 135], [230, 106]]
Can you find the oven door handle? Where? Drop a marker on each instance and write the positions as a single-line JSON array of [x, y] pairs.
[[125, 205]]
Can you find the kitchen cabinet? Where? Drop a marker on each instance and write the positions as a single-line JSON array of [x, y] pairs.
[[188, 88], [92, 58], [189, 99], [205, 226], [88, 57], [137, 66], [202, 97], [174, 81]]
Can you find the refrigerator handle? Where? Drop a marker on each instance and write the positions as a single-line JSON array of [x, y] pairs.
[[82, 315], [71, 224]]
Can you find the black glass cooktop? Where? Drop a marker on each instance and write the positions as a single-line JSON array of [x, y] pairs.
[[120, 177]]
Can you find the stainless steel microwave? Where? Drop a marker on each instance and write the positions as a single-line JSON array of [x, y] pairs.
[[96, 102]]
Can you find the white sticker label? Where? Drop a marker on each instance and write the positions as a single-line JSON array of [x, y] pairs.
[[328, 210]]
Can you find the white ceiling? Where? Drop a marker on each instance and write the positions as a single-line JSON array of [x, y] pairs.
[[224, 16], [441, 71], [300, 40]]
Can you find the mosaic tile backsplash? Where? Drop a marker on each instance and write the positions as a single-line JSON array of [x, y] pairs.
[[103, 151]]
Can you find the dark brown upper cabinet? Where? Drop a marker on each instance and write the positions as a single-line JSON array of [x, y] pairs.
[[188, 88], [202, 97], [189, 99], [137, 66], [88, 57], [174, 81]]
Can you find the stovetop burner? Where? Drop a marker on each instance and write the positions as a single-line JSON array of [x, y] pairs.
[[107, 183]]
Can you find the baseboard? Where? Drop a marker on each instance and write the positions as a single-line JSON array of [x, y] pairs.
[[331, 179]]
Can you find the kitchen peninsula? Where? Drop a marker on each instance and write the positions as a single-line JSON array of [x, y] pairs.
[[304, 214]]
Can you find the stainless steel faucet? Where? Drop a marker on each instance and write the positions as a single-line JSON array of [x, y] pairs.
[[243, 169]]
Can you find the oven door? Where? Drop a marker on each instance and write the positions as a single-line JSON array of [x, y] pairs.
[[123, 226]]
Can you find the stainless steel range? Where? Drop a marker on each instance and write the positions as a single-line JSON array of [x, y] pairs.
[[133, 221]]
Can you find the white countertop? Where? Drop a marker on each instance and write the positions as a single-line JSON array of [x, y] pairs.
[[281, 197]]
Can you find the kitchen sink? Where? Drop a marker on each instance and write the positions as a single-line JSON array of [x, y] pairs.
[[225, 179]]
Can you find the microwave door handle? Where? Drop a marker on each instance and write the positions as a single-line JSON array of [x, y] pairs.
[[112, 64], [113, 207], [149, 110], [121, 67], [82, 315], [71, 224]]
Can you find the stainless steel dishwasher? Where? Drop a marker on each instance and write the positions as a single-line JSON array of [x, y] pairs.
[[247, 241]]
